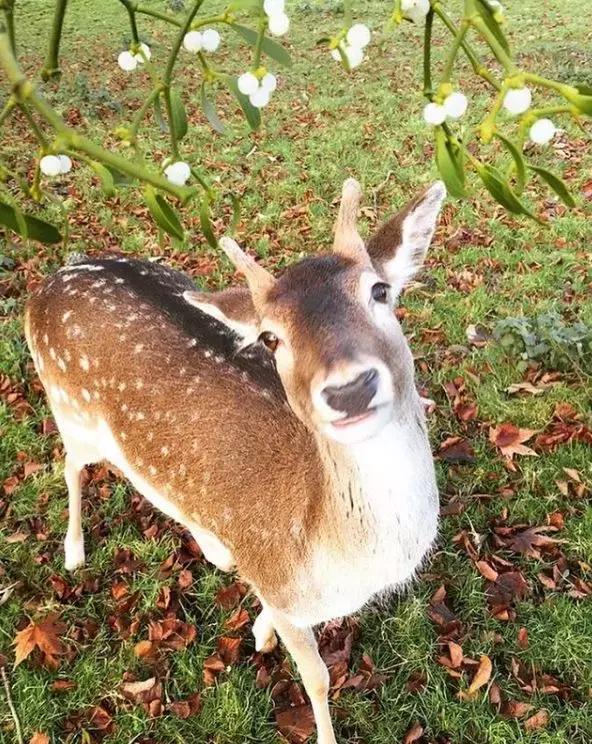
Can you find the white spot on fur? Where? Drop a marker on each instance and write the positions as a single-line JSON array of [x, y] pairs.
[[138, 348], [86, 395], [84, 363], [66, 315]]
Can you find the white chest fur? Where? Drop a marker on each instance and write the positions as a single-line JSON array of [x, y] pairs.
[[390, 524]]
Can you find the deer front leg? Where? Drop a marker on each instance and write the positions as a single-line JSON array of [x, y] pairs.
[[302, 645], [74, 542], [263, 630]]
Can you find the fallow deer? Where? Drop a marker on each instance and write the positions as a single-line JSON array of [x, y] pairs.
[[279, 423]]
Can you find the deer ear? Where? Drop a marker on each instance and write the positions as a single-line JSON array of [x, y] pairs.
[[233, 307], [398, 249]]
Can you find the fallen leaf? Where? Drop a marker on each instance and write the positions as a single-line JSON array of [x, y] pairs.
[[414, 733], [482, 677], [39, 738], [135, 688], [296, 724], [43, 635], [456, 654], [530, 541], [456, 450], [509, 439], [538, 721]]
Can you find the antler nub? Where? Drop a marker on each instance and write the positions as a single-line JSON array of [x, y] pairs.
[[347, 239], [258, 278]]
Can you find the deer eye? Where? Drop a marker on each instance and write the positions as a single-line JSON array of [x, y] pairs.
[[270, 340], [380, 292]]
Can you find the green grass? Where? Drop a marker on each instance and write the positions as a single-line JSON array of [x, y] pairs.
[[321, 127]]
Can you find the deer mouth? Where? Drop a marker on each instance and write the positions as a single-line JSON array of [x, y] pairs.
[[352, 420]]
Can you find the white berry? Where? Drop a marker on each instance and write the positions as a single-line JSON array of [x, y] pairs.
[[269, 82], [456, 105], [260, 97], [248, 83], [415, 10], [127, 61], [65, 163], [278, 24], [517, 100], [336, 54], [273, 7], [143, 55], [542, 131], [192, 41], [210, 39], [355, 56], [359, 35], [50, 165], [434, 114], [178, 173]]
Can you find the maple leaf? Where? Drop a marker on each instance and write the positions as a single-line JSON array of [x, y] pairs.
[[509, 439], [456, 450], [530, 540], [44, 636], [414, 734]]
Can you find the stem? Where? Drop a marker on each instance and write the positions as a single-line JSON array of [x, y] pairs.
[[13, 713], [131, 11], [499, 52], [7, 109], [478, 68], [427, 55], [544, 82], [157, 14], [51, 68], [348, 13], [8, 7], [24, 92], [259, 44], [487, 127], [168, 73], [33, 124], [458, 40], [141, 113]]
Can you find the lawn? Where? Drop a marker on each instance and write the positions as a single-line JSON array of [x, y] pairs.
[[494, 587]]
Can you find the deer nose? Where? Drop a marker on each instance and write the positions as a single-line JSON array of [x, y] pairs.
[[354, 397]]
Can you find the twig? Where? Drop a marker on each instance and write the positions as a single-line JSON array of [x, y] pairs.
[[15, 718]]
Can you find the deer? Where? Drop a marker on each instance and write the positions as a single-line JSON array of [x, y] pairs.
[[278, 422]]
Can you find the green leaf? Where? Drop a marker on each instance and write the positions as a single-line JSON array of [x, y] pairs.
[[556, 184], [501, 191], [210, 112], [486, 12], [450, 164], [270, 47], [105, 177], [206, 224], [163, 214], [252, 114], [162, 125], [178, 116], [119, 178], [28, 226], [518, 161]]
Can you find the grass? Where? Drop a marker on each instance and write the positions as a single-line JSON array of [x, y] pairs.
[[322, 127]]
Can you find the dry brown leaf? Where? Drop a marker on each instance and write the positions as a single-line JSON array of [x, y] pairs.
[[414, 733], [538, 721], [135, 688], [39, 738], [482, 677], [44, 636], [296, 724], [509, 439], [456, 654]]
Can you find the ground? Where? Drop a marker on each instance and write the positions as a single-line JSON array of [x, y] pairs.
[[147, 608]]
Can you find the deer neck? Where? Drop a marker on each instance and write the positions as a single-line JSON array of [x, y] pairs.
[[374, 485]]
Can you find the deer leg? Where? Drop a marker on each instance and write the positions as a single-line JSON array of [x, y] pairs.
[[74, 542], [263, 630], [302, 645], [214, 551]]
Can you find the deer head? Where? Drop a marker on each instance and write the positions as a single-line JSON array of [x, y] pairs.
[[328, 320]]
